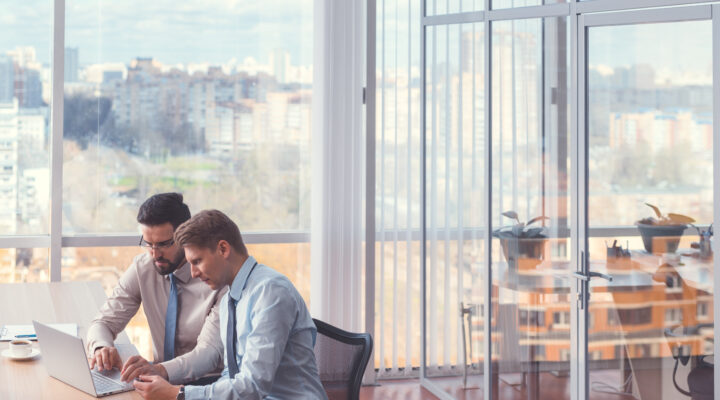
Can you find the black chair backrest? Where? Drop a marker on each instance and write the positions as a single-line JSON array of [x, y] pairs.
[[342, 357]]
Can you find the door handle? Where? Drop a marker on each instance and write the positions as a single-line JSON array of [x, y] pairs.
[[591, 275], [584, 289]]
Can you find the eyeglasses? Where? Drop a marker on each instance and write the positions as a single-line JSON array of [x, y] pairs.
[[156, 246]]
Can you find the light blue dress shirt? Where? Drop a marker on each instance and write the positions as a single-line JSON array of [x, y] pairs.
[[275, 340]]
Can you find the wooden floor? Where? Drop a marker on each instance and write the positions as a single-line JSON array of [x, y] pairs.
[[552, 388], [396, 390]]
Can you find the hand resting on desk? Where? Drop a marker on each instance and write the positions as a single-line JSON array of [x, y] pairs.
[[153, 387], [136, 366]]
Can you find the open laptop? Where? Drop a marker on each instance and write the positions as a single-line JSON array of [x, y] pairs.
[[64, 358]]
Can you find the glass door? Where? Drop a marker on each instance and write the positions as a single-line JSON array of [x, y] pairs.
[[646, 139]]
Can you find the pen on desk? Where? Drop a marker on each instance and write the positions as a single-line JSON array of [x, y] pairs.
[[25, 336]]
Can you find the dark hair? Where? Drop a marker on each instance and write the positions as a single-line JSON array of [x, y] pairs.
[[207, 228], [163, 208]]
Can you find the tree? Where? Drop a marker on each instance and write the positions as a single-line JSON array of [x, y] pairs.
[[83, 116]]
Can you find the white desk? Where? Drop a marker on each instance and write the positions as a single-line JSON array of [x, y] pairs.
[[61, 302]]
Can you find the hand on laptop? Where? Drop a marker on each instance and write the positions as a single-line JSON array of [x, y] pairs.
[[136, 365], [153, 387], [106, 358]]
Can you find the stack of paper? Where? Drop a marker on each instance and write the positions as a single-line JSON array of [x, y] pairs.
[[12, 332]]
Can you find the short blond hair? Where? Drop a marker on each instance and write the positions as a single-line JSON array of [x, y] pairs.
[[207, 228]]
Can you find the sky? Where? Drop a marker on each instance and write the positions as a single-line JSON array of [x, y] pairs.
[[217, 31], [170, 31], [676, 51]]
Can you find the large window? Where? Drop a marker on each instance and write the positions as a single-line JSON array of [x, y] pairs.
[[212, 100]]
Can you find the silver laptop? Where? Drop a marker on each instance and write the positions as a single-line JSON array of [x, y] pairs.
[[64, 358]]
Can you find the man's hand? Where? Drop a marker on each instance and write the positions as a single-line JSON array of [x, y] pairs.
[[136, 366], [106, 358], [153, 387]]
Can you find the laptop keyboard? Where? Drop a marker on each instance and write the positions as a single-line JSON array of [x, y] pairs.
[[104, 385]]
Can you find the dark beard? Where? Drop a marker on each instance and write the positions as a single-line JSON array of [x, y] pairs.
[[172, 266]]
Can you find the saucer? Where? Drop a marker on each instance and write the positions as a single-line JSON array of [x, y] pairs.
[[34, 353]]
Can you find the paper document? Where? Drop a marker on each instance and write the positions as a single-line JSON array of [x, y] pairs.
[[11, 332]]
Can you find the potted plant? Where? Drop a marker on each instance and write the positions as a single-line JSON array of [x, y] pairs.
[[522, 245], [662, 234]]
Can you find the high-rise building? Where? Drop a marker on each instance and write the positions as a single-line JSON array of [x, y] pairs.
[[23, 56], [32, 131], [8, 167], [112, 76], [7, 79], [31, 87], [71, 64], [280, 63]]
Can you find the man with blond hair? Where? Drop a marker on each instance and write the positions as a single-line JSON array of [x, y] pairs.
[[266, 330]]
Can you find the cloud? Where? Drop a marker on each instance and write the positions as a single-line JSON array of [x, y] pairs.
[[171, 31]]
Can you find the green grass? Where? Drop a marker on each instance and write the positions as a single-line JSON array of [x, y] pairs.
[[127, 181], [181, 163]]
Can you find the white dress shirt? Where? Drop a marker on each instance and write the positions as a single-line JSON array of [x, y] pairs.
[[275, 340], [196, 335]]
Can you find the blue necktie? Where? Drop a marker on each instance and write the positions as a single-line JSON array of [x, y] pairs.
[[231, 338], [171, 321]]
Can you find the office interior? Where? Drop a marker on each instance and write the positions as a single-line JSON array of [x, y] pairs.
[[515, 198]]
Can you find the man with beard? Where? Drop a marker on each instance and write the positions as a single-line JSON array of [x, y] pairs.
[[180, 310]]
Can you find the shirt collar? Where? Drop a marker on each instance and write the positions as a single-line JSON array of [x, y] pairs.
[[182, 273], [241, 277]]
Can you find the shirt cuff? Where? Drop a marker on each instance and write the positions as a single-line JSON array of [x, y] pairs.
[[99, 337], [174, 370], [102, 343], [194, 392]]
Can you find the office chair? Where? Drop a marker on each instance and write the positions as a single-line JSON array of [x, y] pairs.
[[700, 379], [342, 357]]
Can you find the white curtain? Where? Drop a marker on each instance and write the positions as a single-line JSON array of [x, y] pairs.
[[338, 165]]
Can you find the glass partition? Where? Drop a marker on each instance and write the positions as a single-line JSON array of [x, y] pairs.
[[650, 205], [531, 219], [455, 185]]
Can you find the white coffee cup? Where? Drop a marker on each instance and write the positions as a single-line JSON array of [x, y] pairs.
[[20, 348]]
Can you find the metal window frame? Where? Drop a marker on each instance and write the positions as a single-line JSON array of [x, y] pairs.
[[716, 176], [370, 234], [579, 382], [56, 140], [575, 382]]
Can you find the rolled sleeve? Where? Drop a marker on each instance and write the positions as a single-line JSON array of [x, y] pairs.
[[205, 358], [117, 311]]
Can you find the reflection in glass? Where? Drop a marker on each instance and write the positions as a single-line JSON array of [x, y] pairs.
[[531, 253], [455, 201], [213, 102], [24, 265], [650, 206]]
